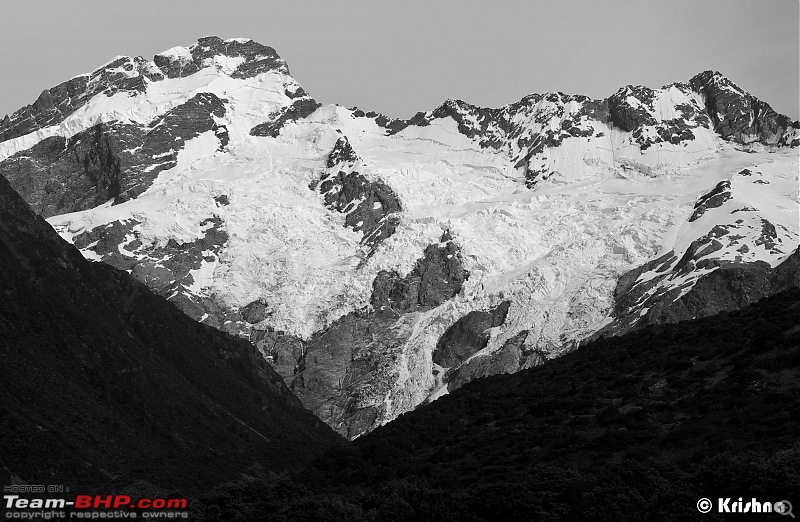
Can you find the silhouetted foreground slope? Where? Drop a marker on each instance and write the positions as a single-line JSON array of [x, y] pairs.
[[105, 384], [638, 427]]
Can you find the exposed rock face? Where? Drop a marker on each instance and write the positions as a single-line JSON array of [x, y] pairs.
[[110, 160], [633, 109], [341, 376], [342, 154], [339, 373], [184, 122], [170, 270], [437, 277], [530, 131], [255, 58], [514, 355], [739, 116], [297, 110], [54, 105], [283, 351], [468, 335], [344, 372], [370, 205], [255, 312], [714, 199], [720, 270], [730, 287], [129, 75], [57, 176], [392, 125]]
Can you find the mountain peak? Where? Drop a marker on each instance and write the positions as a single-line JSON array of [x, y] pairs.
[[740, 116], [238, 58], [710, 78], [245, 58]]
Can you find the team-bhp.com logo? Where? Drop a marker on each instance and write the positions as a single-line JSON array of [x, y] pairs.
[[94, 506], [729, 505]]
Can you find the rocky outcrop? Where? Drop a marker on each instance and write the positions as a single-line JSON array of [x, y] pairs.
[[739, 116], [730, 286], [515, 354], [370, 205], [169, 270], [343, 375], [254, 312], [283, 351], [633, 109], [342, 154], [392, 125], [58, 176], [624, 114], [297, 110], [468, 335], [110, 161], [255, 58], [130, 75], [344, 372], [716, 198], [54, 105], [529, 130], [435, 278]]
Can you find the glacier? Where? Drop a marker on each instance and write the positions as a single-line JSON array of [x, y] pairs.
[[550, 201]]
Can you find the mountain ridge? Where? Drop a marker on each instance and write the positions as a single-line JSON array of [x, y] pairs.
[[297, 225]]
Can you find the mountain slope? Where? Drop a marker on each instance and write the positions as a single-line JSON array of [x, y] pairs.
[[636, 427], [209, 174], [108, 385]]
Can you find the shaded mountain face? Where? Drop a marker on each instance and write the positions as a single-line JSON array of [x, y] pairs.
[[110, 161], [359, 252], [633, 427], [731, 286], [106, 384], [340, 373]]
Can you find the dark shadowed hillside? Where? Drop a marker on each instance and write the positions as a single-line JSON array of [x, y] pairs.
[[637, 427], [105, 384]]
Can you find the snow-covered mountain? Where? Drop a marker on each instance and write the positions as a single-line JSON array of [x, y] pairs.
[[378, 263]]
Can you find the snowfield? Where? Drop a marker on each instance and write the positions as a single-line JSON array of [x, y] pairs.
[[555, 251], [605, 206]]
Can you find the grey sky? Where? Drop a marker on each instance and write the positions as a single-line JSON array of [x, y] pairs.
[[402, 57]]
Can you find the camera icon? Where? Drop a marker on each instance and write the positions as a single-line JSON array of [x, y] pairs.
[[704, 505]]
